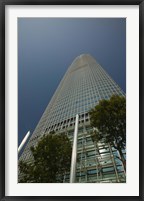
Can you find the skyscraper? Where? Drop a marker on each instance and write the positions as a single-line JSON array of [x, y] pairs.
[[83, 85]]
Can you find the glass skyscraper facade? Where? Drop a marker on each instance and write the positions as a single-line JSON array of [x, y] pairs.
[[83, 85]]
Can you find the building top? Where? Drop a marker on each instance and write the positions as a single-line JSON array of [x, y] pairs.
[[82, 60]]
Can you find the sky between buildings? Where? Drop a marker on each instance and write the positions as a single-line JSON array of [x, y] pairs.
[[48, 46]]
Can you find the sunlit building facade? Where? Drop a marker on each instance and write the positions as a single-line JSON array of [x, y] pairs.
[[83, 85]]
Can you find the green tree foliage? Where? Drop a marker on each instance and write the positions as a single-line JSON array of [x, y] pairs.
[[109, 120], [51, 159]]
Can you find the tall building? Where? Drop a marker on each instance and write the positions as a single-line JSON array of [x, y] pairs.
[[83, 85]]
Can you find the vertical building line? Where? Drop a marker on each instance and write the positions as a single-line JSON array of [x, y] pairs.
[[23, 141], [74, 153]]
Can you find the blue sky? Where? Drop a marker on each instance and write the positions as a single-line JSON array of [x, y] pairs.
[[47, 47]]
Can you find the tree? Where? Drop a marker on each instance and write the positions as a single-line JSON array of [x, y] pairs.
[[51, 159], [109, 120]]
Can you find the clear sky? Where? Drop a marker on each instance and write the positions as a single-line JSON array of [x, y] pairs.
[[47, 47]]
